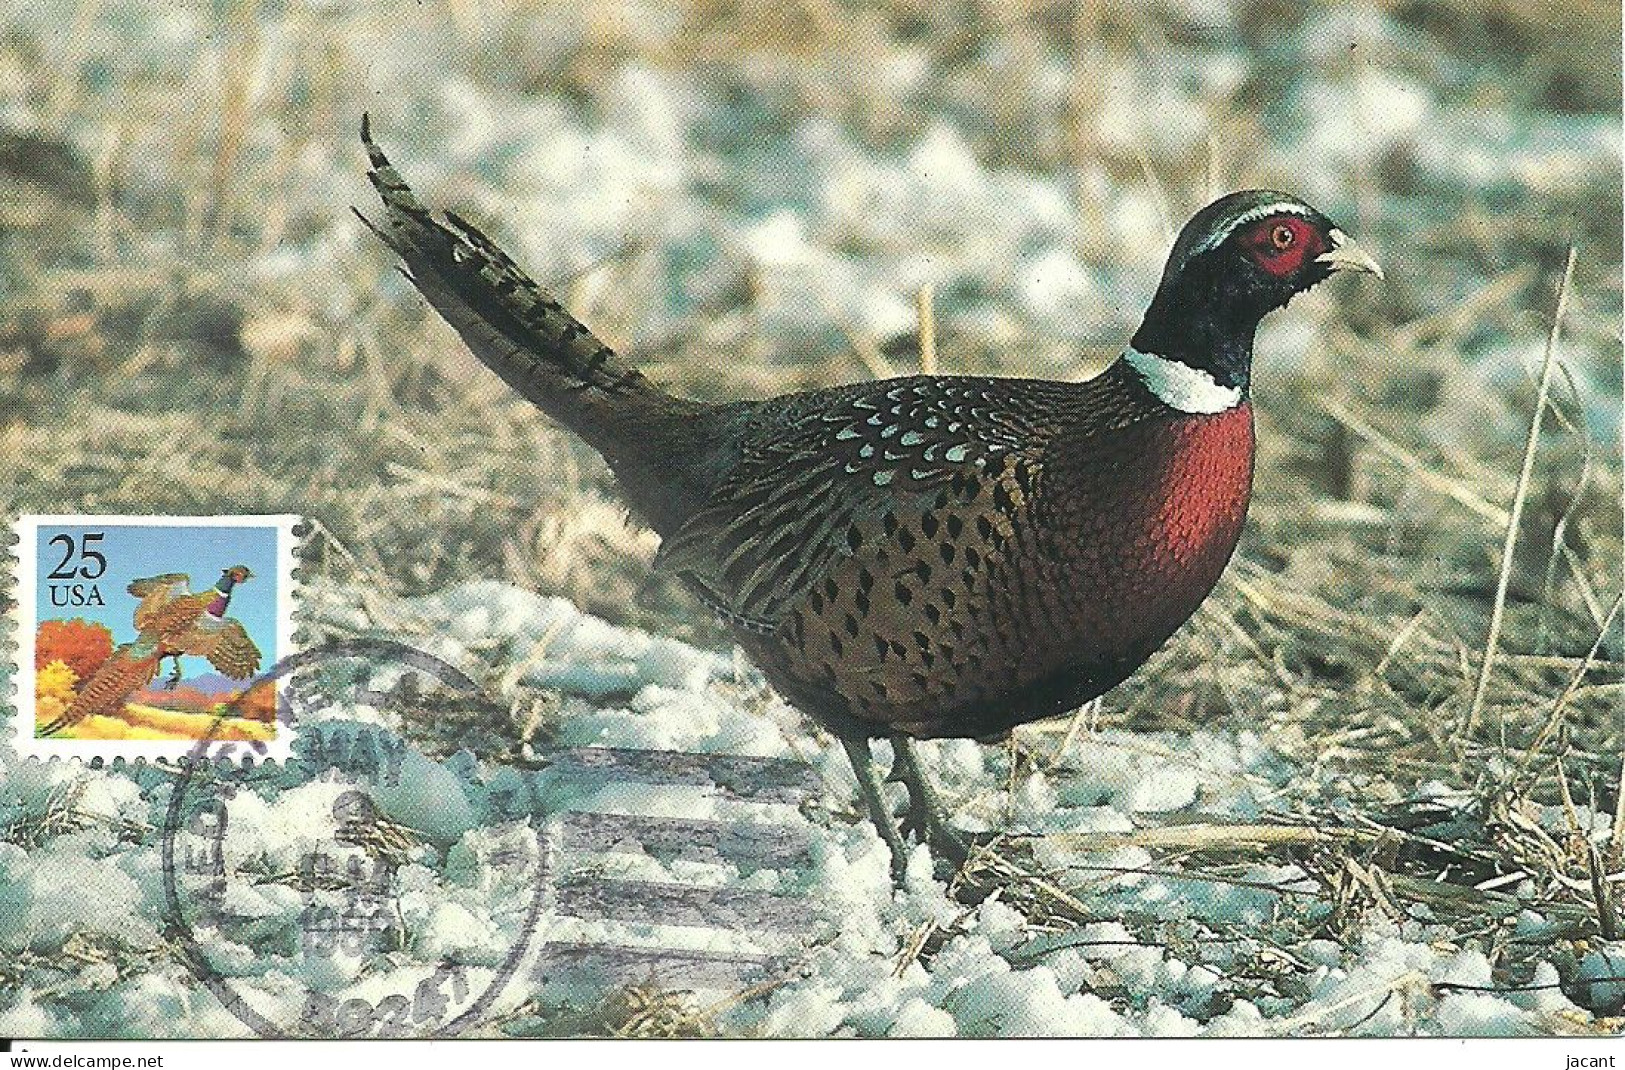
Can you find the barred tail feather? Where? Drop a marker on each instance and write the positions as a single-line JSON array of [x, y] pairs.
[[507, 320], [126, 669]]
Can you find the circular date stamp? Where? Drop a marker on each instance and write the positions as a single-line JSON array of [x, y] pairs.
[[305, 907]]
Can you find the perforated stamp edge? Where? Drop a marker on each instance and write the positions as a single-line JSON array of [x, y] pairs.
[[22, 626]]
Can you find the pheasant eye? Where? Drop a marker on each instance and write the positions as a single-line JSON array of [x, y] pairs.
[[1283, 236]]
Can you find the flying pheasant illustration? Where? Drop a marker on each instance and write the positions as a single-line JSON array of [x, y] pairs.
[[169, 621]]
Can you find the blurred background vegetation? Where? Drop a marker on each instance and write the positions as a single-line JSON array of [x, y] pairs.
[[750, 199]]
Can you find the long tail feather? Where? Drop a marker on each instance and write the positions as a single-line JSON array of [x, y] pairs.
[[507, 320], [126, 669]]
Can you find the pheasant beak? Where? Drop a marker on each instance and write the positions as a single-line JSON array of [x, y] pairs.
[[1345, 254]]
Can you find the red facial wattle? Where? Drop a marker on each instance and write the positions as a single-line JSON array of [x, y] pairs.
[[1281, 244]]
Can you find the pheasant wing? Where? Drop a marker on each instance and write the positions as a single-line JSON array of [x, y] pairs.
[[229, 649], [820, 474], [131, 666], [155, 593]]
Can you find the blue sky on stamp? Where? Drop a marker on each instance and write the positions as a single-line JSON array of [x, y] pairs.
[[200, 552]]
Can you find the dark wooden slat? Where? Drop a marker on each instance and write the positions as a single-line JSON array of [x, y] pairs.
[[754, 779], [653, 902], [755, 844], [666, 968]]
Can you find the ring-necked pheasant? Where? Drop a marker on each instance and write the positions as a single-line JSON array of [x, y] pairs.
[[926, 556], [169, 621]]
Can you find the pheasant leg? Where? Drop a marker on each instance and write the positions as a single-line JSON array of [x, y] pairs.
[[174, 677], [926, 816], [872, 792]]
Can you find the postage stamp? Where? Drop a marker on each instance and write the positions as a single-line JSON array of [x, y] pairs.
[[139, 636]]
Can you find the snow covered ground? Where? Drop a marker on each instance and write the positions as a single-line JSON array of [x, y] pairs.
[[804, 896]]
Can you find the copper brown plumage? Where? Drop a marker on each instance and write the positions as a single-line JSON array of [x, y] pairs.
[[929, 556], [170, 621]]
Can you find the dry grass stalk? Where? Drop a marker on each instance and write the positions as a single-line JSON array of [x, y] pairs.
[[867, 351], [1296, 1025], [1519, 496], [1203, 837], [69, 69], [1159, 196], [1572, 688], [924, 300], [1085, 718], [1452, 488], [1616, 835]]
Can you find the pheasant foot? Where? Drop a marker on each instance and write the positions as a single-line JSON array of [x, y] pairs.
[[926, 818], [872, 791]]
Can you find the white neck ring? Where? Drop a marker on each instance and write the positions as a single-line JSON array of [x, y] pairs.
[[1180, 386]]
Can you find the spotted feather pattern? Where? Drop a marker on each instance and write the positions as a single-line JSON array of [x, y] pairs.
[[819, 472], [1020, 591], [948, 555]]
